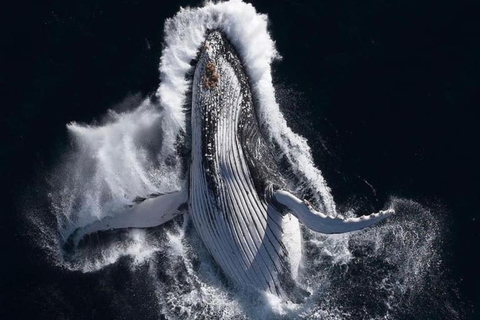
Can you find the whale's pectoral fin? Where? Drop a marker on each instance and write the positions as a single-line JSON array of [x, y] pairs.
[[322, 223], [144, 213]]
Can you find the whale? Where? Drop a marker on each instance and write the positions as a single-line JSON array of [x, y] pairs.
[[238, 198]]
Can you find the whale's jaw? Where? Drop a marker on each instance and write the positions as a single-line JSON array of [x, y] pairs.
[[239, 228]]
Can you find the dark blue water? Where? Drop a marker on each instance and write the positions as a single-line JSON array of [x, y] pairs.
[[385, 92]]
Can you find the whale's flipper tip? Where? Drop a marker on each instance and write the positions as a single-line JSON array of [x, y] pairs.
[[322, 223]]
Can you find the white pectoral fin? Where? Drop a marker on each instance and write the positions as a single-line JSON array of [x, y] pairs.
[[320, 222], [150, 212]]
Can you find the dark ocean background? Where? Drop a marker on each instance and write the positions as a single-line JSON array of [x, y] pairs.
[[385, 91]]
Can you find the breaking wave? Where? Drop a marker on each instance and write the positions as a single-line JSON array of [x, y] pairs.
[[379, 273]]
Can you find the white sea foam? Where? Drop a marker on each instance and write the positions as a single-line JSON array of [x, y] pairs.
[[109, 165], [135, 246]]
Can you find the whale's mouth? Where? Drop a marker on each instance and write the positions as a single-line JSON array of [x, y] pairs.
[[135, 154]]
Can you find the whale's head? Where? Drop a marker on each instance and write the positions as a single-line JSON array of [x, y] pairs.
[[219, 66], [223, 106], [213, 50]]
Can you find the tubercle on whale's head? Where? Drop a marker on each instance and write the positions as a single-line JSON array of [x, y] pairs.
[[210, 80], [213, 46], [214, 43], [219, 70], [217, 54]]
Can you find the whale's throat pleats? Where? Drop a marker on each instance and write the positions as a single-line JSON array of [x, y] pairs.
[[240, 229]]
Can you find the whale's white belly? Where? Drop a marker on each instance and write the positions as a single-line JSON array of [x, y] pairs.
[[241, 231]]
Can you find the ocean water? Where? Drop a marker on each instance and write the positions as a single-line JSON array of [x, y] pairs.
[[397, 270]]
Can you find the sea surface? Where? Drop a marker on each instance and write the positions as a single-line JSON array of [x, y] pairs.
[[383, 92]]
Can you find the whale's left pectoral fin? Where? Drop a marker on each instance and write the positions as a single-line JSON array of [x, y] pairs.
[[144, 213], [320, 222]]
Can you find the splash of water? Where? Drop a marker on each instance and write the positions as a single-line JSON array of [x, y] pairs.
[[135, 153]]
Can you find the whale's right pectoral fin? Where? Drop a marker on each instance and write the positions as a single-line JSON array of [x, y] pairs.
[[322, 223], [144, 213]]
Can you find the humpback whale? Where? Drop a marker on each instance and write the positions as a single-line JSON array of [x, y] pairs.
[[237, 198]]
